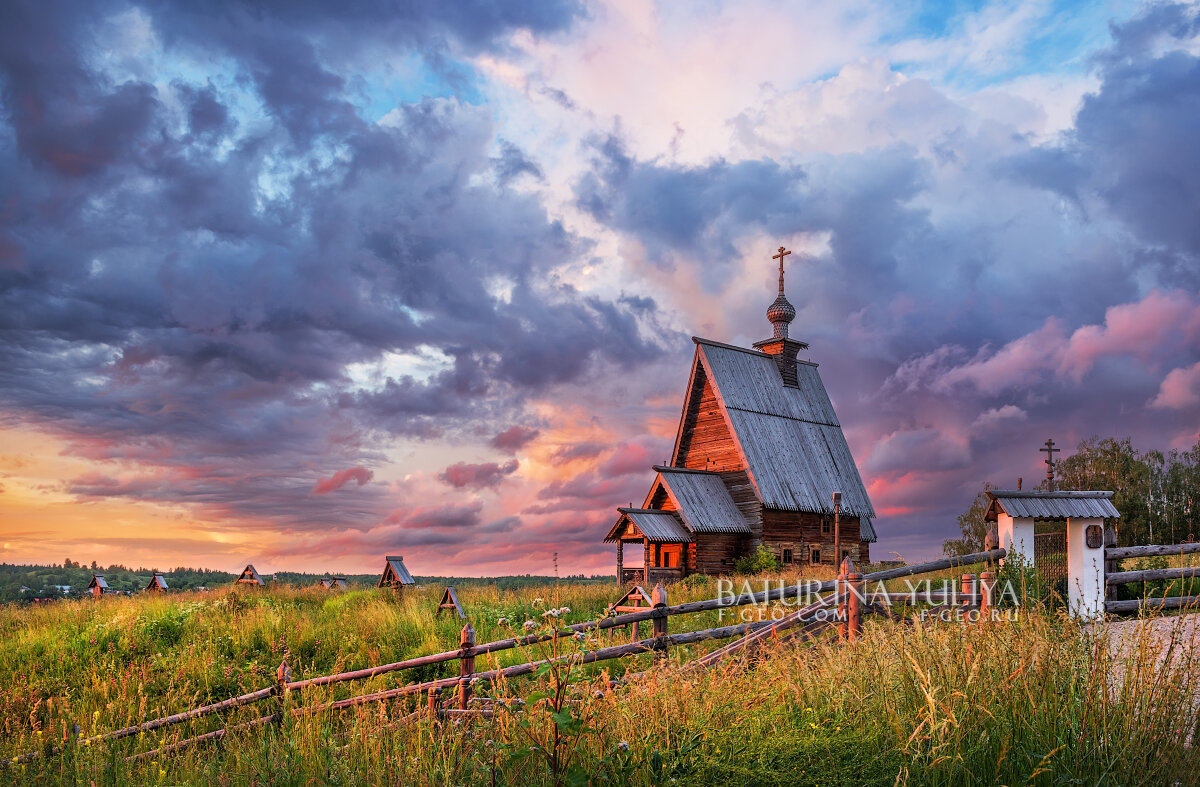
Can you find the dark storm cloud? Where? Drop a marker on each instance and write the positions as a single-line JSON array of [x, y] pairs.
[[183, 283]]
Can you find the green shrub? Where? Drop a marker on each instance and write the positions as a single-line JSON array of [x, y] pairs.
[[758, 561]]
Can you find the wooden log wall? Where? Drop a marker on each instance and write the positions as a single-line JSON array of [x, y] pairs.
[[707, 443]]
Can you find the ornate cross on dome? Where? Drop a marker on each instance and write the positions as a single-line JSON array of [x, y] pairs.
[[1050, 451], [780, 313], [782, 253]]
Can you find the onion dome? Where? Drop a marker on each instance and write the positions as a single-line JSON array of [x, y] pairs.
[[780, 313]]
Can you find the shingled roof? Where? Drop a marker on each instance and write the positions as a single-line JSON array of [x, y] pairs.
[[788, 436]]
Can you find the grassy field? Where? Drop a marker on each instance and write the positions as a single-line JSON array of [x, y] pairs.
[[1038, 700]]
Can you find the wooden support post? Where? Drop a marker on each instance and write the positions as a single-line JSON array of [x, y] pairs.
[[434, 700], [466, 666], [659, 597], [854, 613], [837, 528], [620, 561], [987, 594]]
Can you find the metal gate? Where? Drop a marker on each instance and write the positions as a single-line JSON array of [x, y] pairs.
[[1050, 560]]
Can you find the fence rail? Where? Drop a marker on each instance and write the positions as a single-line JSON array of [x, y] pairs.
[[1152, 575], [750, 632], [1152, 550]]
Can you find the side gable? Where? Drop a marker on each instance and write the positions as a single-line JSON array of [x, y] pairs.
[[702, 500], [704, 440]]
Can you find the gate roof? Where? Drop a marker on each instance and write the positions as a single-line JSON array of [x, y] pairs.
[[1050, 505]]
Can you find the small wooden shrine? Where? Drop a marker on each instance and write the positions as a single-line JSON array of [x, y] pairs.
[[249, 577], [759, 460], [332, 583], [450, 602], [97, 587], [157, 584], [395, 575]]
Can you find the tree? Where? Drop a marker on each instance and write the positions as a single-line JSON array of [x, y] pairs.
[[974, 528]]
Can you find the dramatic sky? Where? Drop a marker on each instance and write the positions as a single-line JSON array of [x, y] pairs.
[[306, 283]]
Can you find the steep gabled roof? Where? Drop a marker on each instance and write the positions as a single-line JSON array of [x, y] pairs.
[[250, 576], [157, 582], [788, 437], [394, 572], [98, 582], [1051, 505], [702, 500]]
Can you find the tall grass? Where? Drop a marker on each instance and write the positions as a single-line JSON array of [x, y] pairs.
[[1037, 700]]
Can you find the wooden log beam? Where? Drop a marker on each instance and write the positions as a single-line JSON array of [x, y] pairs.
[[1151, 604], [1152, 575], [215, 735], [1153, 550]]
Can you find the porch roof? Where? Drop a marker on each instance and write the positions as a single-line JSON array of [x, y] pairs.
[[657, 527]]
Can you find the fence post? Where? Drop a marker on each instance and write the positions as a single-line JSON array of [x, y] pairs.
[[466, 666], [842, 590], [967, 591], [659, 597], [987, 591], [854, 614], [1110, 566], [434, 695], [283, 675]]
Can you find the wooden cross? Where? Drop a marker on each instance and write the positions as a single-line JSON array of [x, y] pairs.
[[1050, 451], [782, 253]]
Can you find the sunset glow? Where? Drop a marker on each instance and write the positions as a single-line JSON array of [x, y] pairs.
[[307, 286]]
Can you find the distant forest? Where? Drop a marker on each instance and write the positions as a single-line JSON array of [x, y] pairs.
[[29, 583], [1157, 493]]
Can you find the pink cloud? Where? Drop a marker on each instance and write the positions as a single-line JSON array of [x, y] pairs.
[[487, 474], [1180, 389], [1153, 330], [341, 478], [513, 439]]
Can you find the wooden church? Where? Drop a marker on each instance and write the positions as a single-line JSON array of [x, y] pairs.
[[758, 456]]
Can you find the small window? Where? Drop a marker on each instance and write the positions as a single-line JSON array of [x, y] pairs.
[[815, 556], [825, 526], [787, 557]]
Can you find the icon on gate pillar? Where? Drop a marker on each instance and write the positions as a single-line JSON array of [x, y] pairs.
[[1094, 536]]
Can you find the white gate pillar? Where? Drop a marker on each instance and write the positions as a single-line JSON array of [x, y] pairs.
[[1085, 567], [1016, 535]]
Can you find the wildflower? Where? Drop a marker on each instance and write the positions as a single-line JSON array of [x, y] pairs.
[[537, 602], [502, 622], [623, 746], [580, 636], [564, 610], [39, 732], [550, 613], [530, 625]]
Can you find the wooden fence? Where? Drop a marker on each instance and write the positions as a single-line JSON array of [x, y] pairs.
[[846, 593], [1114, 578]]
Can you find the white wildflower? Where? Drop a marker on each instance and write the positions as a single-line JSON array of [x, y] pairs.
[[530, 625], [623, 746], [502, 622]]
